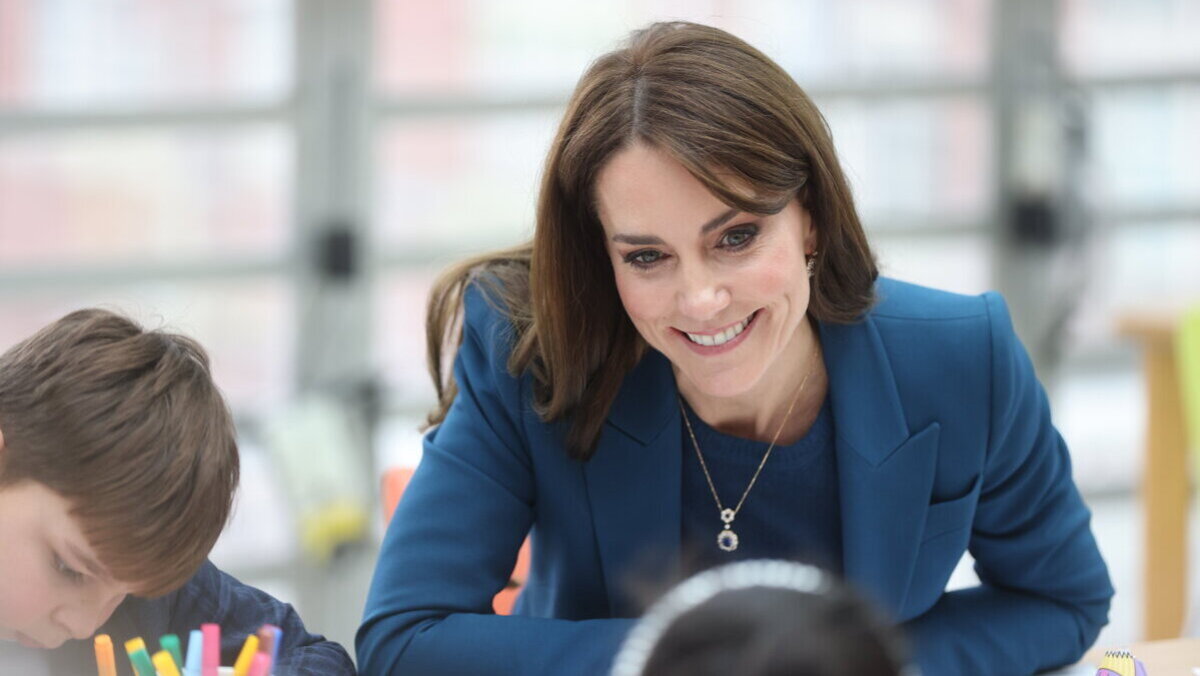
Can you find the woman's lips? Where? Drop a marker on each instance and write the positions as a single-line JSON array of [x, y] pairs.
[[713, 350]]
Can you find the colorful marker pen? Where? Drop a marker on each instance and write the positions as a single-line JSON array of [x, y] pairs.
[[138, 657], [212, 649], [106, 661], [269, 638], [261, 666], [242, 666], [195, 653], [170, 643], [165, 664]]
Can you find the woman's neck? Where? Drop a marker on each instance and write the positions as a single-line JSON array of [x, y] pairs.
[[759, 412]]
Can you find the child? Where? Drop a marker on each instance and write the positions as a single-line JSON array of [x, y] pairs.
[[118, 463], [761, 618]]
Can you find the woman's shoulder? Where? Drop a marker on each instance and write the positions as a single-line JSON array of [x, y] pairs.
[[899, 300], [941, 322], [487, 311]]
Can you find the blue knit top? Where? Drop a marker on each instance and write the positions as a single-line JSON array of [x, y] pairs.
[[792, 511]]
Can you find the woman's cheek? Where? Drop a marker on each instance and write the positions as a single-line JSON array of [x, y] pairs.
[[633, 296]]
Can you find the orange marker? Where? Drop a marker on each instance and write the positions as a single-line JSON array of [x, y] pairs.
[[106, 660], [242, 666]]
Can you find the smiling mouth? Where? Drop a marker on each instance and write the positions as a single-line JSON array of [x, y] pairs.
[[718, 339]]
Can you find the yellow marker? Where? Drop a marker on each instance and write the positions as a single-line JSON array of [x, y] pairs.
[[164, 663], [106, 660], [242, 666]]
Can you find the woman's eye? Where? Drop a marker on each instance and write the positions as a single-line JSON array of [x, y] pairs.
[[736, 239], [644, 258]]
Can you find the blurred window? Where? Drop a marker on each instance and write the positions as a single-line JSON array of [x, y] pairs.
[[146, 164], [57, 54], [1137, 65]]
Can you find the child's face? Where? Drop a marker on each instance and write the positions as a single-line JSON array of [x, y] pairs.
[[51, 586]]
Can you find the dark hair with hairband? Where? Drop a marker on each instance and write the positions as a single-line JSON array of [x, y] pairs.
[[763, 618]]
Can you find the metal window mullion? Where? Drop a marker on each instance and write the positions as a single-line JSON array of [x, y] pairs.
[[20, 122], [16, 281], [332, 154]]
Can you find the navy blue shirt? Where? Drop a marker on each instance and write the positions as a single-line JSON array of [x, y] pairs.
[[792, 512], [210, 596]]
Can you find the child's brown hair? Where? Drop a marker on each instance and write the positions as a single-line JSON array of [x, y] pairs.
[[128, 426]]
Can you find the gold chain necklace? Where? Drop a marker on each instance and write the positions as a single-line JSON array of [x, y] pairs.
[[727, 539]]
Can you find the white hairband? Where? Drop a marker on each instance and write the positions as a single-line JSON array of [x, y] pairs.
[[636, 649]]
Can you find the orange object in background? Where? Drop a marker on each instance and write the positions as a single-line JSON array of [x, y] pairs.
[[394, 482]]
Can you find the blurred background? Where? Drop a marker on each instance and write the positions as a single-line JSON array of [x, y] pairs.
[[283, 178]]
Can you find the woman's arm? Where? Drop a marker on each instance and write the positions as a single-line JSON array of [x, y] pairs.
[[1045, 590], [455, 535]]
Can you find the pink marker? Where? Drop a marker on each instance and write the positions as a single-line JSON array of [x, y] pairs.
[[212, 649], [261, 666]]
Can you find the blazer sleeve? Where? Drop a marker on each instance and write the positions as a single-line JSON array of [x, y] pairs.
[[1045, 590], [454, 537]]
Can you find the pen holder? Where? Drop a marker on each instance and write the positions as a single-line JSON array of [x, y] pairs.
[[1120, 663]]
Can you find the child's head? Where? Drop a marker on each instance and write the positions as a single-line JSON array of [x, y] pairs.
[[761, 618], [118, 464]]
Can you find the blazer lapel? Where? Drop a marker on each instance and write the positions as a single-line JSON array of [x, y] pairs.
[[633, 483], [885, 473]]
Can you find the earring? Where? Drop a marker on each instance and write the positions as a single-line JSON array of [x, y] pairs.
[[811, 266]]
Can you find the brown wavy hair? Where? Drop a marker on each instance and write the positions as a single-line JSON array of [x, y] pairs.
[[127, 425], [739, 124]]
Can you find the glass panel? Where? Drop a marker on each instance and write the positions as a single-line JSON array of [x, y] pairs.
[[959, 263], [916, 161], [118, 53], [1146, 145], [1137, 266], [455, 181], [144, 195], [543, 46], [247, 326], [1116, 37], [399, 340], [450, 181]]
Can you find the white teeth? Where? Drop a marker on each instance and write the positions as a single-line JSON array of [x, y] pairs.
[[722, 337]]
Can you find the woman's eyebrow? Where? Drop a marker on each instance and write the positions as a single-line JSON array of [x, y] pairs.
[[641, 240]]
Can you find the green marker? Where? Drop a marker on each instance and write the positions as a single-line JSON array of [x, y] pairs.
[[139, 658], [170, 643]]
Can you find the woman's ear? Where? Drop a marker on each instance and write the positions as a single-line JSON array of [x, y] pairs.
[[809, 230]]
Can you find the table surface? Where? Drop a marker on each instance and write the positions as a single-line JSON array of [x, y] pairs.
[[1162, 658]]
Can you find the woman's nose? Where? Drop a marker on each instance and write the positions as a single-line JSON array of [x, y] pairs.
[[703, 295]]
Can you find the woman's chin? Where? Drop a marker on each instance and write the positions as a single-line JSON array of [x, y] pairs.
[[720, 386]]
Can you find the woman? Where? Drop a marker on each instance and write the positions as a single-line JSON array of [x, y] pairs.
[[694, 359]]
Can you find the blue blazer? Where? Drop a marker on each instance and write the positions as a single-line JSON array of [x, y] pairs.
[[944, 444]]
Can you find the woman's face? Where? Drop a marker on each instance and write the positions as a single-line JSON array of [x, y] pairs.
[[51, 588], [720, 292]]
